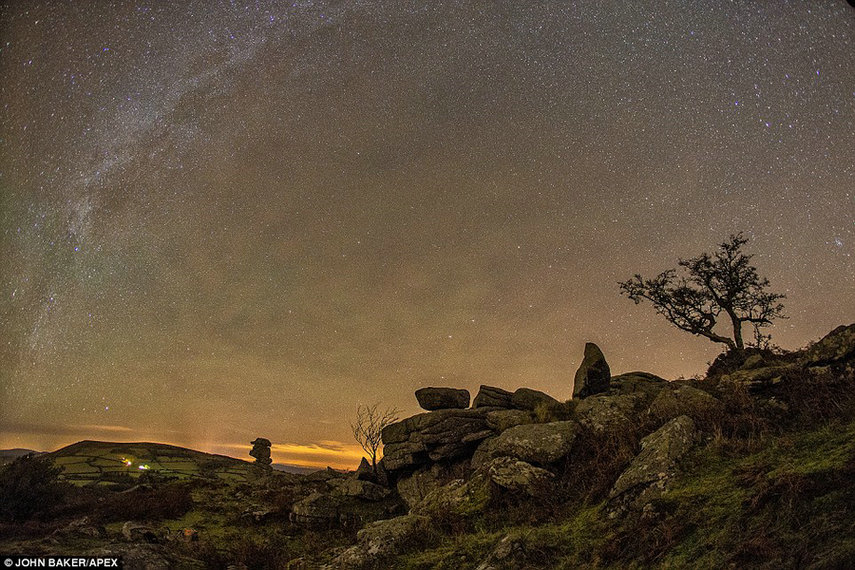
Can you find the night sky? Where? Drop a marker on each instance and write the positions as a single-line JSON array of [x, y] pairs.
[[230, 220]]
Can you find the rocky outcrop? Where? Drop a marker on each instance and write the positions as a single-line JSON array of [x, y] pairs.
[[364, 472], [518, 476], [593, 375], [458, 497], [684, 400], [81, 528], [538, 444], [136, 532], [835, 347], [609, 414], [528, 399], [318, 509], [650, 473], [415, 486], [509, 553], [492, 397], [381, 540], [359, 489], [433, 436], [261, 451], [757, 380], [642, 384], [500, 420], [442, 398]]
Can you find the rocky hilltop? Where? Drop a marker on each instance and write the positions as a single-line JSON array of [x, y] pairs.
[[752, 465], [525, 446]]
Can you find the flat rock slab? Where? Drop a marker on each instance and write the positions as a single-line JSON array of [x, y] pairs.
[[442, 398], [492, 397]]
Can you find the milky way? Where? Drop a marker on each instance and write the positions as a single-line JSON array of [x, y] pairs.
[[227, 221]]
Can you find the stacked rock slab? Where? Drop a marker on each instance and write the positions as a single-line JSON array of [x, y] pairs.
[[492, 397], [442, 398], [433, 436], [447, 432], [593, 375]]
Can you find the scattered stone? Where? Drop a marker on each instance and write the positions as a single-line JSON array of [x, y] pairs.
[[538, 444], [261, 451], [593, 375], [136, 532], [316, 509], [381, 540], [492, 397], [509, 553], [257, 513], [82, 527], [442, 398], [364, 472], [360, 489], [650, 473]]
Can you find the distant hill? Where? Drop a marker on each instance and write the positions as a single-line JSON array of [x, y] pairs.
[[295, 469], [99, 461], [10, 455]]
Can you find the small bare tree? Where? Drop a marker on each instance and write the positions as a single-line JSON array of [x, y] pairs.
[[368, 426]]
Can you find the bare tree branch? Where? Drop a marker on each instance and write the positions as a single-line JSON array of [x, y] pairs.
[[368, 427]]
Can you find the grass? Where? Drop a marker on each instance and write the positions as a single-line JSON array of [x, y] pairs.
[[781, 505]]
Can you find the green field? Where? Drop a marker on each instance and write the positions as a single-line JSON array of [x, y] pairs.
[[88, 462]]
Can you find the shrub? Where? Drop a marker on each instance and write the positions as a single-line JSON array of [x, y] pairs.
[[28, 486], [166, 502]]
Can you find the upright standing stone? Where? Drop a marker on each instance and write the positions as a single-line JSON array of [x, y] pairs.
[[261, 451], [593, 375]]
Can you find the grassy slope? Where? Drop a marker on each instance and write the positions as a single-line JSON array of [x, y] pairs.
[[89, 461], [789, 504]]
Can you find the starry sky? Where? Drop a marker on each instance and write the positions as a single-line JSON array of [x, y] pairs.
[[224, 220]]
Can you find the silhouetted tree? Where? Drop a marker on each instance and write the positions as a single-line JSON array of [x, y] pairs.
[[367, 428], [724, 282]]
